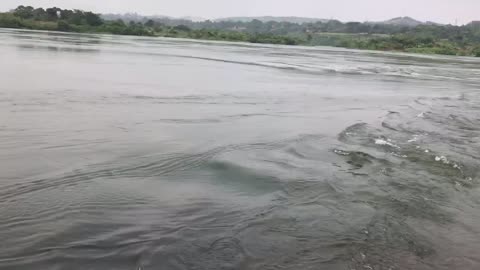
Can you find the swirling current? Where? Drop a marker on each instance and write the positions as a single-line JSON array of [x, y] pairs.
[[149, 153]]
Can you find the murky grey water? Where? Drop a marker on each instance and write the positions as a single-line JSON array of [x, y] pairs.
[[142, 153]]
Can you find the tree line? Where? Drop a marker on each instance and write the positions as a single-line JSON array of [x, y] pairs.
[[439, 39], [77, 17], [57, 19]]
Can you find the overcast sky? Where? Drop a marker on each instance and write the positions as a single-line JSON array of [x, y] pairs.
[[443, 11]]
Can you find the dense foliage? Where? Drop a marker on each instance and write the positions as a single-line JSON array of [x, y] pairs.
[[67, 20], [425, 38], [82, 21]]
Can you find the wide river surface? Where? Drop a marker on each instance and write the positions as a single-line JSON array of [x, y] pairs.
[[148, 153]]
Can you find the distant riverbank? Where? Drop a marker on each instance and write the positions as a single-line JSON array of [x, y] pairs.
[[9, 20], [431, 39]]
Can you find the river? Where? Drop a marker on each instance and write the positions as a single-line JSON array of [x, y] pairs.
[[151, 153]]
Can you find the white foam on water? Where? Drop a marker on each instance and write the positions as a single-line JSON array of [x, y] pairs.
[[386, 142], [341, 152], [398, 155], [442, 159], [414, 138], [445, 160]]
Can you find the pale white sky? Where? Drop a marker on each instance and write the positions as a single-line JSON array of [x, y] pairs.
[[443, 11]]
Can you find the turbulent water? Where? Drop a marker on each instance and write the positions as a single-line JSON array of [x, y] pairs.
[[147, 153]]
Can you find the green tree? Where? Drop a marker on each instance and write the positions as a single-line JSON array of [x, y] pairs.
[[93, 19], [63, 26], [24, 12], [11, 21], [53, 13], [75, 17], [66, 14], [182, 28], [476, 51], [39, 14], [150, 23]]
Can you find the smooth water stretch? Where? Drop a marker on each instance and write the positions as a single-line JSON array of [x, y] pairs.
[[148, 153]]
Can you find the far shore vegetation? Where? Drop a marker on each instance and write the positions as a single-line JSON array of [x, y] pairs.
[[426, 38]]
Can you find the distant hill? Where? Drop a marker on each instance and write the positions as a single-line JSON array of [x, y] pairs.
[[193, 19], [474, 23], [403, 21], [131, 17], [172, 21], [434, 23], [298, 20], [127, 17]]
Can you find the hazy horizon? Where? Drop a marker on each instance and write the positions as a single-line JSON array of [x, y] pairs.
[[442, 11]]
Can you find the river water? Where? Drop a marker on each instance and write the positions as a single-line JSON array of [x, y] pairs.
[[147, 153]]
